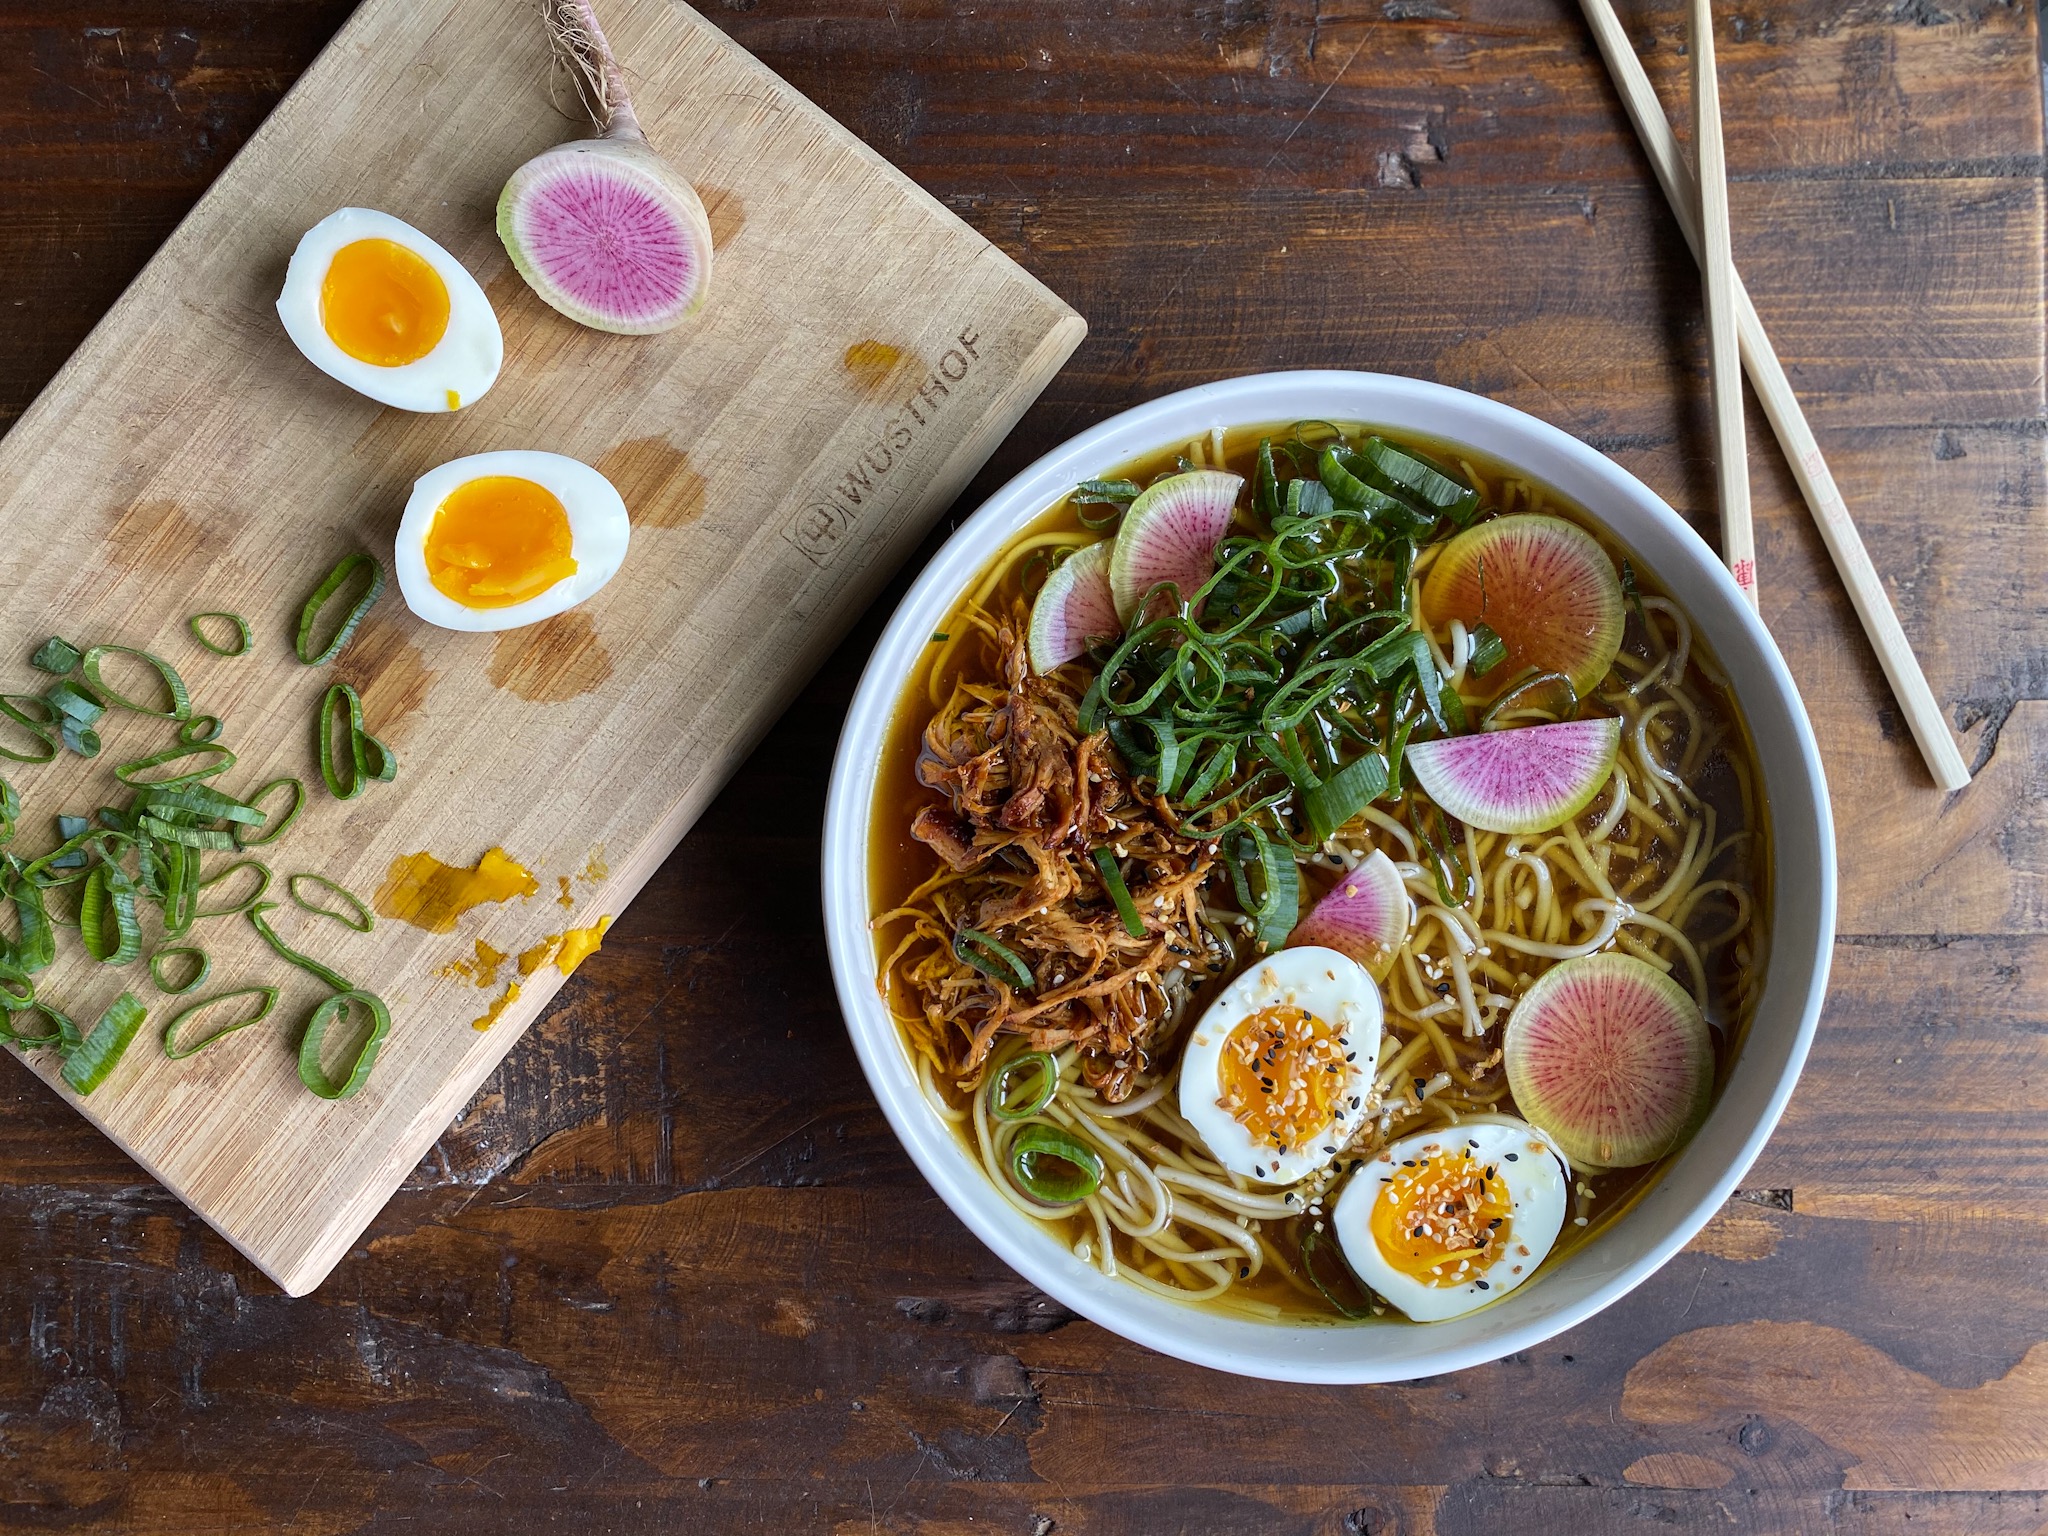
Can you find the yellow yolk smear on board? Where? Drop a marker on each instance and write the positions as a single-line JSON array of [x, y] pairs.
[[421, 890], [499, 540], [383, 304]]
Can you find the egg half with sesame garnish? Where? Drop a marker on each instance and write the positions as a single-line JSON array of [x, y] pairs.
[[374, 303], [1277, 1074], [1441, 1223]]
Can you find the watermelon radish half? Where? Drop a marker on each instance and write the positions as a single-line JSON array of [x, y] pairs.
[[1611, 1057], [1073, 609], [1170, 533], [604, 229], [1526, 780], [1544, 585], [1365, 915]]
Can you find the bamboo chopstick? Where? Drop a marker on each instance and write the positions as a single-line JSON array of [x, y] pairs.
[[1717, 273], [1781, 406]]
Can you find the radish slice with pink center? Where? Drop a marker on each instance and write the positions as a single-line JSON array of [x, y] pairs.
[[604, 229], [1170, 533], [1365, 915], [1073, 609], [1612, 1058], [1526, 780]]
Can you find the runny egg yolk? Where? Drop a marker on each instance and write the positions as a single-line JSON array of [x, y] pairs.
[[1282, 1076], [383, 304], [499, 540], [1442, 1217]]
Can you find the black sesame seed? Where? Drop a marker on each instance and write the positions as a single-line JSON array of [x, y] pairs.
[[1482, 1285], [1513, 1158]]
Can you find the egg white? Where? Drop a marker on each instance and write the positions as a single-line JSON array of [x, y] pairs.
[[1536, 1187], [463, 363], [599, 530], [1333, 987]]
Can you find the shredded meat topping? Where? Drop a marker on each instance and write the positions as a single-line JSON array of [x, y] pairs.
[[1026, 799]]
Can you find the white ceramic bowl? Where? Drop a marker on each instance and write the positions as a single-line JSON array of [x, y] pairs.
[[1689, 1190]]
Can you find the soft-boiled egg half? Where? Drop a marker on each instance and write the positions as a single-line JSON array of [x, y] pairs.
[[1278, 1071], [374, 303], [498, 540], [1443, 1222]]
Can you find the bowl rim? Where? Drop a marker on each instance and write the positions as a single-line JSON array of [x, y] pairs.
[[1124, 1309]]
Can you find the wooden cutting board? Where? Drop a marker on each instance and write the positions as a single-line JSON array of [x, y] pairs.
[[862, 353]]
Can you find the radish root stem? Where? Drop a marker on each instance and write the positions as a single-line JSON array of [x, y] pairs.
[[579, 47]]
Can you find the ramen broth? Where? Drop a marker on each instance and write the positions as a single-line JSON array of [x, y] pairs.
[[1279, 1290]]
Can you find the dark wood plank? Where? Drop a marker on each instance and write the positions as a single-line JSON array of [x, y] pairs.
[[670, 1271]]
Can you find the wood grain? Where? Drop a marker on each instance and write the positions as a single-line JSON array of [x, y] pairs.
[[187, 456], [669, 1271]]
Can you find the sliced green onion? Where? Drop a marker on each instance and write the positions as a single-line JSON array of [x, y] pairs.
[[1403, 473], [1344, 794], [61, 1029], [1053, 1166], [176, 1050], [1276, 905], [1550, 692], [191, 837], [248, 901], [75, 701], [217, 759], [82, 739], [1116, 493], [1023, 1085], [338, 698], [70, 853], [181, 888], [106, 917], [357, 916], [202, 967], [1312, 1247], [239, 646], [1113, 882], [374, 759], [17, 991], [10, 811], [37, 946], [199, 728], [200, 800], [312, 1074], [174, 685], [314, 653], [273, 830], [1266, 491], [1488, 650], [42, 730], [973, 947], [55, 655], [284, 951], [89, 1063]]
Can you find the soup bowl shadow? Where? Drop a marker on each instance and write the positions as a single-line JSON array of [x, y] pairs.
[[1686, 1192]]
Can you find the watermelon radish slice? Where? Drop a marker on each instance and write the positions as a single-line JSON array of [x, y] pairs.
[[1365, 915], [1544, 585], [604, 229], [1526, 780], [1611, 1057], [1170, 533], [1073, 609]]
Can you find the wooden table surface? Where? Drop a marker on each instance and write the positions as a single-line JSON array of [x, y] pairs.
[[671, 1272]]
